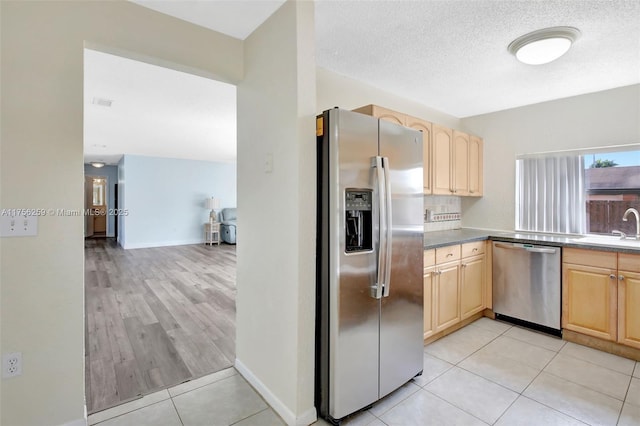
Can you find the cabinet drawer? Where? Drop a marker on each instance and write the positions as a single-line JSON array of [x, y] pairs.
[[447, 254], [599, 259], [629, 262], [429, 258], [473, 249]]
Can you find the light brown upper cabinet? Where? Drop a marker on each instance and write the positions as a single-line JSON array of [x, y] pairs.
[[383, 114], [426, 128], [460, 166], [413, 123], [476, 162], [466, 166], [441, 142]]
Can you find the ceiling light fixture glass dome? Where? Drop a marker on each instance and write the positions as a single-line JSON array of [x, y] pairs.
[[543, 46]]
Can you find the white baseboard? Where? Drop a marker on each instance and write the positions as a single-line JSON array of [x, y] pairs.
[[307, 418], [128, 246]]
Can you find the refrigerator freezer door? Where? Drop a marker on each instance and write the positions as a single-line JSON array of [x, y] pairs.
[[353, 312], [401, 321]]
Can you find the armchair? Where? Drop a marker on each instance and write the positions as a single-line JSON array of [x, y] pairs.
[[228, 225]]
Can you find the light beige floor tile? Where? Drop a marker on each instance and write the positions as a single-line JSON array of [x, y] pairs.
[[221, 403], [475, 395], [535, 338], [423, 408], [526, 353], [393, 399], [601, 358], [574, 400], [266, 417], [376, 422], [159, 414], [593, 376], [459, 345], [507, 372], [633, 395], [321, 422], [636, 371], [527, 412], [202, 381], [432, 368], [127, 407], [492, 325], [630, 415]]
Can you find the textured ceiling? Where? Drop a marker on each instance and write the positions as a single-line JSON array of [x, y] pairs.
[[452, 55], [155, 112]]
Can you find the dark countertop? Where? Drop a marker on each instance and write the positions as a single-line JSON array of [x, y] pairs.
[[465, 235]]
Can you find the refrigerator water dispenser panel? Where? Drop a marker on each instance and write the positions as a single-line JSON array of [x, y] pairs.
[[358, 222]]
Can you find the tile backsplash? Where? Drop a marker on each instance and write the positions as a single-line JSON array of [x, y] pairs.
[[442, 213]]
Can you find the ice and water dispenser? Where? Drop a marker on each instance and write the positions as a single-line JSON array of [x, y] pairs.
[[358, 221]]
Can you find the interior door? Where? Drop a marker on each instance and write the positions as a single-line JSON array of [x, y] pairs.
[[88, 204], [401, 318], [99, 205]]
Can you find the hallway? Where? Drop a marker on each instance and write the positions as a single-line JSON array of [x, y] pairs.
[[155, 318]]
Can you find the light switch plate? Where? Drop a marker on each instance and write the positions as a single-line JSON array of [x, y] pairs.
[[18, 226]]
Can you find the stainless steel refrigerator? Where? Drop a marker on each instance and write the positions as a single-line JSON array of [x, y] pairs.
[[369, 271]]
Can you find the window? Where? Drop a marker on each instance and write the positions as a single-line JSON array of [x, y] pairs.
[[612, 184], [577, 193]]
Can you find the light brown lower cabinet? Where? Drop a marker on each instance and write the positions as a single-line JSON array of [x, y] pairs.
[[472, 283], [601, 295], [454, 285]]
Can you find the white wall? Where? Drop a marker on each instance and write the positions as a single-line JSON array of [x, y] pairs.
[[599, 119], [165, 199], [41, 166], [337, 90], [276, 212]]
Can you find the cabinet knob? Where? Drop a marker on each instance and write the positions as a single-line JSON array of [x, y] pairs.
[[464, 265], [620, 277], [612, 276], [475, 249], [449, 254]]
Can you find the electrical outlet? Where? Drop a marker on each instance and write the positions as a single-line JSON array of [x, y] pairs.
[[11, 365]]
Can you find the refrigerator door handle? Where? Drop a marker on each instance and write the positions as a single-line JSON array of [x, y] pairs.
[[382, 207], [387, 227]]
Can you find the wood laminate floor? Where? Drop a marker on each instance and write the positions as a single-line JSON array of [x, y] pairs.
[[155, 317]]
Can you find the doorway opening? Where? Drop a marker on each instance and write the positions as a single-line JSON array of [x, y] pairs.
[[159, 303]]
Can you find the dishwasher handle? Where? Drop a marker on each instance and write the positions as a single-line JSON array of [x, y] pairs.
[[529, 249]]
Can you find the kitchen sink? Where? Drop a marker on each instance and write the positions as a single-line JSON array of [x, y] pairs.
[[607, 240]]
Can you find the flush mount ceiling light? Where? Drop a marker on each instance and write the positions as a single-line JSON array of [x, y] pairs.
[[97, 164], [543, 46]]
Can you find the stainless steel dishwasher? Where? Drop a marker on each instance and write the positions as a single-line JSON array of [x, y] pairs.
[[526, 284]]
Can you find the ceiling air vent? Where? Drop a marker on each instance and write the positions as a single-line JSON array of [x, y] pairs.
[[102, 102]]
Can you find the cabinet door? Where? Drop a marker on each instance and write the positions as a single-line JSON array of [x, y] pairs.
[[447, 295], [475, 166], [382, 113], [441, 149], [425, 127], [472, 285], [460, 165], [629, 308], [429, 327], [589, 300]]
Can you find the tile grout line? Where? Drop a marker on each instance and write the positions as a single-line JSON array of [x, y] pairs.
[[552, 408], [176, 409], [455, 406]]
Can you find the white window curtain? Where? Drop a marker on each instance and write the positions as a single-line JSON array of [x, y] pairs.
[[550, 194]]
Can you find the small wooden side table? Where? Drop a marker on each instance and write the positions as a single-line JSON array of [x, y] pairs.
[[212, 233]]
